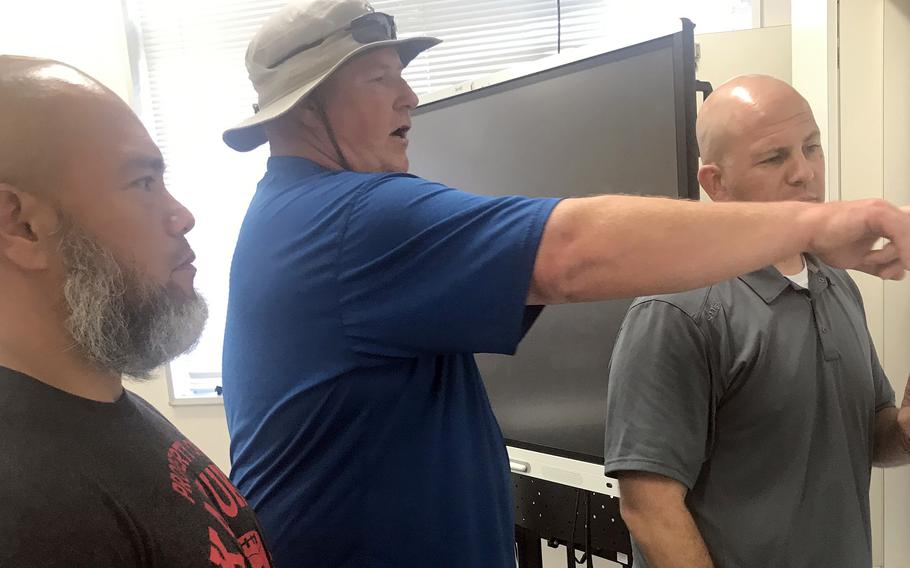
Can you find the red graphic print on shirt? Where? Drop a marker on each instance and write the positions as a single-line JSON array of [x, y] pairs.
[[211, 490]]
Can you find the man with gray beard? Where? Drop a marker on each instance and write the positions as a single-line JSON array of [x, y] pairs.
[[97, 283]]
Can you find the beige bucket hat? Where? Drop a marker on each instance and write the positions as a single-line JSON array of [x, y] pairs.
[[299, 47]]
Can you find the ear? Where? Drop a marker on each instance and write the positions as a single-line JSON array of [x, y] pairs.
[[27, 227], [307, 113], [711, 179]]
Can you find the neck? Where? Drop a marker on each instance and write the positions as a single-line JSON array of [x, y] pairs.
[[39, 346], [313, 144], [317, 154], [321, 154], [791, 266]]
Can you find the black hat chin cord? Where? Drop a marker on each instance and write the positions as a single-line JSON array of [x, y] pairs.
[[342, 161]]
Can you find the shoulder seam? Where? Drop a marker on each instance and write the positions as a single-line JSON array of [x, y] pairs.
[[349, 212], [695, 323], [663, 300]]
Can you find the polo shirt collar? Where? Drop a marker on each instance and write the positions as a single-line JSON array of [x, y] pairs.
[[293, 165], [769, 283]]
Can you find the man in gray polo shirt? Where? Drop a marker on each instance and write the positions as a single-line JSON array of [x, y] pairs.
[[744, 418]]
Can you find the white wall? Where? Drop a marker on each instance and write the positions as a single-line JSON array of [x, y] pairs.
[[90, 35], [774, 13], [861, 129], [814, 60], [896, 299], [725, 55], [875, 143]]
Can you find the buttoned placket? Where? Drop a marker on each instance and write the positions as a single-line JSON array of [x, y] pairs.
[[818, 283]]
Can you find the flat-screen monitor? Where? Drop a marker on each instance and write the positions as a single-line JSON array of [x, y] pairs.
[[615, 122]]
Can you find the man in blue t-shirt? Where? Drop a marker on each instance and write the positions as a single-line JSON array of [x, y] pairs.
[[360, 428]]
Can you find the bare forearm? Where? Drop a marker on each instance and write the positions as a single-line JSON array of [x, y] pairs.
[[620, 246], [669, 538], [892, 446]]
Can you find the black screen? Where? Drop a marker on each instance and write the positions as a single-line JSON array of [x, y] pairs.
[[613, 123]]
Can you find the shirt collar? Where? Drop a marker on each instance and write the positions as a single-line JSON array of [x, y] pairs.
[[769, 283], [295, 165]]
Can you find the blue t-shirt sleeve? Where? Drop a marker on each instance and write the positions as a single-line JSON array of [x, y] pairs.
[[424, 268]]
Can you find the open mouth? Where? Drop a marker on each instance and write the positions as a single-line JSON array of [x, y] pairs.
[[401, 132]]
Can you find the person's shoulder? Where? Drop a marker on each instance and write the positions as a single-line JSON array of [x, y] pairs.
[[143, 405], [29, 414], [401, 194], [698, 305], [56, 513], [390, 180], [149, 413], [302, 179], [38, 465]]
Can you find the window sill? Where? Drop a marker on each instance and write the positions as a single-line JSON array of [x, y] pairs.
[[201, 401]]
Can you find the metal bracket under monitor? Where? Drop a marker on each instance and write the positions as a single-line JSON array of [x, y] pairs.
[[582, 520]]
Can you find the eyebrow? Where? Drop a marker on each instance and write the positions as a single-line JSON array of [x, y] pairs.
[[155, 163], [784, 149], [387, 67]]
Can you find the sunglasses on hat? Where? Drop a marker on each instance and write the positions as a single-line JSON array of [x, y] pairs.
[[365, 29]]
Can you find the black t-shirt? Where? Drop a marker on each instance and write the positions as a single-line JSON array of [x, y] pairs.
[[86, 483]]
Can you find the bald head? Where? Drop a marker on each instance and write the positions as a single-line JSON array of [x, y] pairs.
[[45, 109], [93, 247], [741, 105], [759, 142]]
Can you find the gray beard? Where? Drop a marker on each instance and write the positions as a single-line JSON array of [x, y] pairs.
[[120, 323]]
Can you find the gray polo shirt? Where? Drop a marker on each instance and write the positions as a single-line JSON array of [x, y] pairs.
[[760, 397]]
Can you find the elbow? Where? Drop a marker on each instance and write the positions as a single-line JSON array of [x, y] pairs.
[[564, 274], [558, 265], [550, 283], [648, 501], [634, 516]]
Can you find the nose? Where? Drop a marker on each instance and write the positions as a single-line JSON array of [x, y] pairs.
[[408, 98], [801, 171], [180, 220]]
